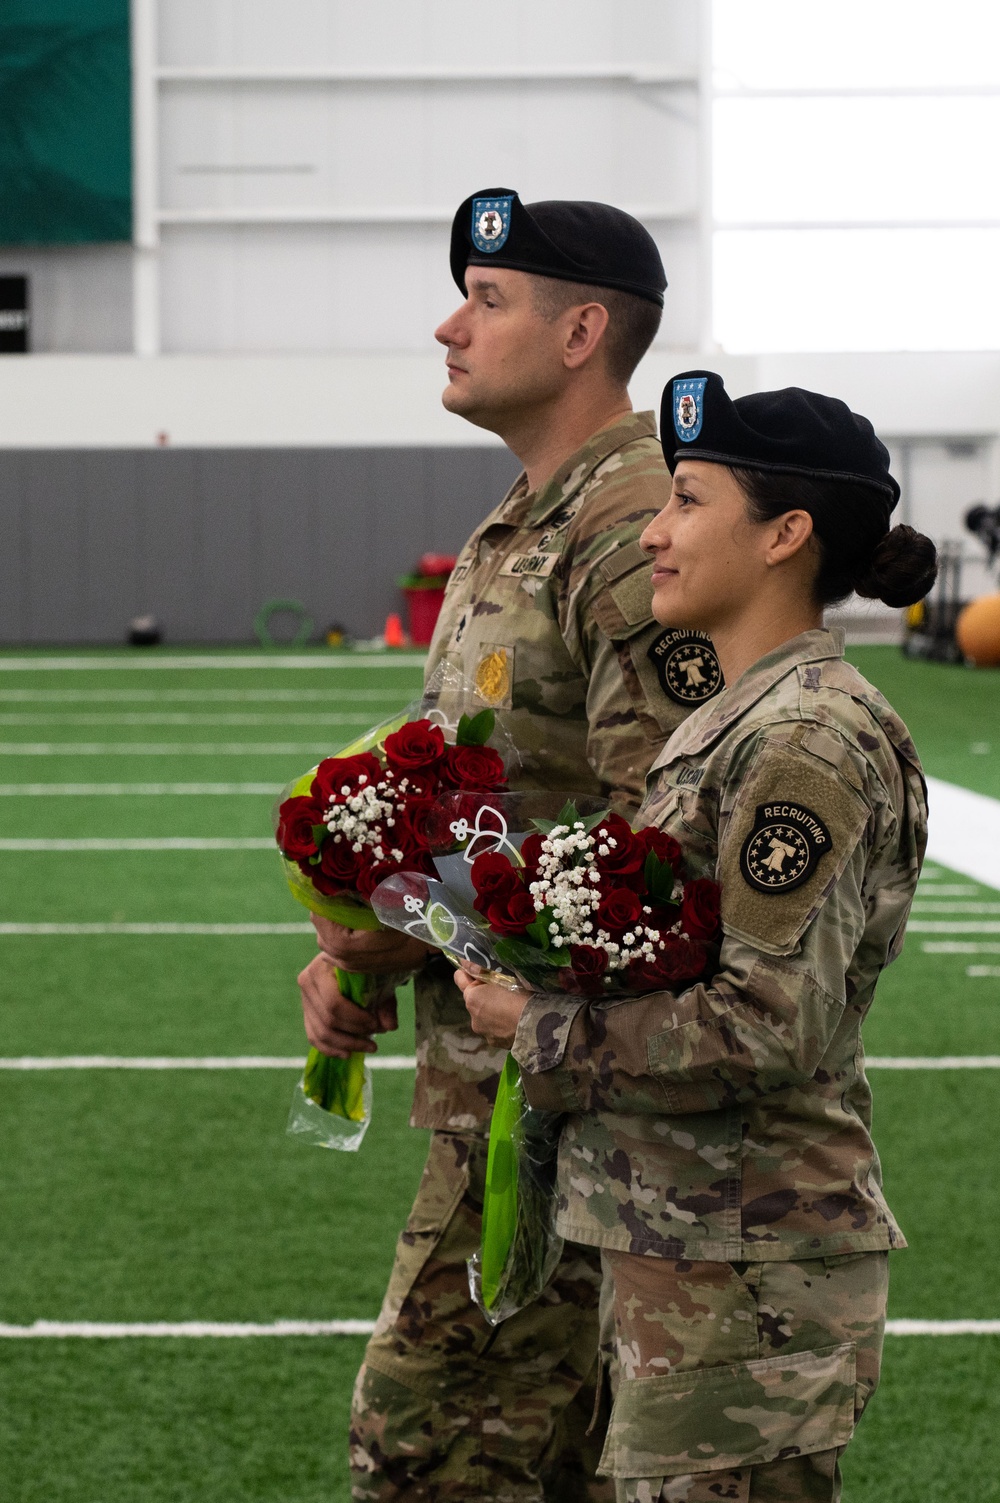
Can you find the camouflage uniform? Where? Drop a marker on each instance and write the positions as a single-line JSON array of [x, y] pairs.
[[728, 1128], [548, 615]]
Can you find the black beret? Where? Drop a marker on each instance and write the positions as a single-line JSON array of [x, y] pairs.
[[791, 431], [570, 239]]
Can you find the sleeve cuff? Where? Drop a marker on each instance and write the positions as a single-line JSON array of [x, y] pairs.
[[543, 1031]]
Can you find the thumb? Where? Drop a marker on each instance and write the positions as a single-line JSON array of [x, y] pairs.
[[388, 1016]]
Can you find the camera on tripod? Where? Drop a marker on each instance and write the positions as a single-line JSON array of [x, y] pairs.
[[984, 523]]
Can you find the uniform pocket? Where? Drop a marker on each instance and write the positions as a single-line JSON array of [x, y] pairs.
[[444, 1183], [723, 1418]]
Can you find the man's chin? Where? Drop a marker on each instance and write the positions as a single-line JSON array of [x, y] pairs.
[[464, 404]]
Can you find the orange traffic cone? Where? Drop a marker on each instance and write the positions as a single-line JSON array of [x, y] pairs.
[[394, 634]]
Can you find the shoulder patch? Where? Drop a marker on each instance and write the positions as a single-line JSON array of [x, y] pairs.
[[686, 663], [783, 847]]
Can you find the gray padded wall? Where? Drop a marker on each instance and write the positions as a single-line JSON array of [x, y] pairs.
[[200, 538]]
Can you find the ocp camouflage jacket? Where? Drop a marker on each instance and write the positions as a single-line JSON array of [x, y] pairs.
[[548, 615], [732, 1121]]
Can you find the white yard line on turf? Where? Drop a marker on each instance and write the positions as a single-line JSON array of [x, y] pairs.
[[197, 696], [922, 906], [952, 926], [143, 664], [139, 843], [317, 717], [218, 1329], [959, 947], [105, 1331], [964, 832], [179, 1062], [79, 930], [131, 790], [164, 748], [933, 1062]]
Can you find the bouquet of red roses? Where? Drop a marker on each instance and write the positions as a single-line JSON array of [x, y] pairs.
[[578, 903], [342, 828]]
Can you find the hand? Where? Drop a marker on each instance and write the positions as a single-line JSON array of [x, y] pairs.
[[334, 1024], [372, 951], [495, 1011]]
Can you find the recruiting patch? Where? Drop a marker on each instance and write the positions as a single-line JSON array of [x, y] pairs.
[[688, 668], [493, 677], [490, 223], [689, 407], [783, 848]]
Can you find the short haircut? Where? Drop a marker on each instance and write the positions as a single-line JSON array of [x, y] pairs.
[[632, 321]]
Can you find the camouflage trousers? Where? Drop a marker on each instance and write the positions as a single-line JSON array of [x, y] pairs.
[[739, 1382], [446, 1406]]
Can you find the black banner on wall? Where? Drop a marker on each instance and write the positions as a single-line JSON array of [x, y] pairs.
[[14, 315]]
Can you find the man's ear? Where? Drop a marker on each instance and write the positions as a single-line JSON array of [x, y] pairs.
[[584, 331]]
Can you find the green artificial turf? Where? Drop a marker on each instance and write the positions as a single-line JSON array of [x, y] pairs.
[[249, 1421], [177, 1195], [953, 713], [180, 994]]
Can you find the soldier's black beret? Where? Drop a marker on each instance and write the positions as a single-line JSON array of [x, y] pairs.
[[573, 240], [791, 431]]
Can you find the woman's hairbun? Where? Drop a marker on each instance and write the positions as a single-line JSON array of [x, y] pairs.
[[902, 569]]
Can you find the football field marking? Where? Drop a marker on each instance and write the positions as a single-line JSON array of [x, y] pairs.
[[95, 1330], [133, 790], [184, 717], [964, 831], [193, 1062], [164, 748], [139, 843], [958, 947], [196, 696], [212, 930], [251, 660]]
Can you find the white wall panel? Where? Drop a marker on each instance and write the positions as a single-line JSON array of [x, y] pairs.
[[438, 32], [312, 213]]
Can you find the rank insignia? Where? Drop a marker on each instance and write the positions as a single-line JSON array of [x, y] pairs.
[[782, 849], [687, 666], [689, 407], [490, 223]]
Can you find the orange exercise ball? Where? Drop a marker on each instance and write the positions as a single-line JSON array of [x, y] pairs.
[[978, 631]]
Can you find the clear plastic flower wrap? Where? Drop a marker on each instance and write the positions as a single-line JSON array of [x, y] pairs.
[[558, 895], [358, 817]]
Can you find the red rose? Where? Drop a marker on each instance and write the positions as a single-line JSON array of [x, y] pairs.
[[416, 745], [494, 879], [589, 964], [626, 857], [330, 887], [368, 879], [662, 845], [531, 851], [472, 768], [335, 773], [511, 913], [296, 818], [413, 826], [418, 784], [339, 861], [700, 908], [680, 960], [619, 910]]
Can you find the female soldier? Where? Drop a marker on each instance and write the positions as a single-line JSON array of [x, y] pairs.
[[717, 1145]]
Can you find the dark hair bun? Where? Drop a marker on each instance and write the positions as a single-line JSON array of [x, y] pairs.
[[902, 569]]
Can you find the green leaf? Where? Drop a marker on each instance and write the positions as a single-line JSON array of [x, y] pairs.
[[539, 930], [659, 878], [475, 730], [319, 834]]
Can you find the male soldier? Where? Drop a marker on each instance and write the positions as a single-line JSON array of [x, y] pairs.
[[548, 615]]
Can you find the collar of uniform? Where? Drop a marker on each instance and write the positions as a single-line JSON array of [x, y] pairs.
[[706, 725], [569, 477]]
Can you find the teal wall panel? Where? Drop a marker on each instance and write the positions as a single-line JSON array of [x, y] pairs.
[[65, 122]]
